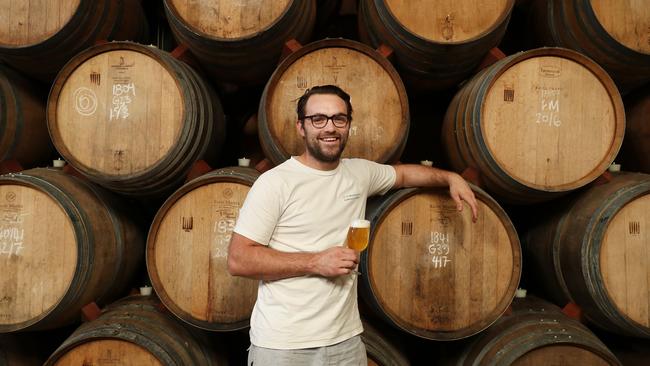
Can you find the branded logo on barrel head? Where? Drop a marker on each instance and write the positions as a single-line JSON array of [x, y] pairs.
[[187, 223], [508, 93], [10, 196], [635, 228], [95, 78], [301, 82], [550, 71], [228, 193], [334, 68], [407, 228]]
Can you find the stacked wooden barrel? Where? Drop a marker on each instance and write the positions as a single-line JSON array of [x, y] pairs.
[[593, 252], [613, 33], [380, 102], [39, 38], [536, 124], [65, 243], [187, 251], [132, 118], [134, 331], [151, 138], [536, 333], [459, 276]]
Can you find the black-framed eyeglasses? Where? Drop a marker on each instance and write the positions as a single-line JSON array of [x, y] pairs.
[[320, 120]]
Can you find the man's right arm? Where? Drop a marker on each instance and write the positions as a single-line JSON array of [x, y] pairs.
[[251, 259]]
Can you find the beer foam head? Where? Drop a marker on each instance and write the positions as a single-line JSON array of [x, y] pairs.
[[360, 223]]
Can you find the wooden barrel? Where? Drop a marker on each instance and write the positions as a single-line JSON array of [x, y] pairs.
[[536, 125], [380, 106], [433, 273], [133, 119], [63, 244], [635, 152], [134, 331], [536, 333], [38, 38], [436, 44], [593, 252], [240, 42], [615, 34], [23, 131], [187, 252], [380, 349]]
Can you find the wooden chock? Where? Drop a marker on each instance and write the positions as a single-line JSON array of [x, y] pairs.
[[572, 310], [473, 176], [264, 165], [604, 178], [10, 166], [508, 311], [100, 42], [490, 58], [385, 50], [182, 53], [68, 169], [90, 312], [199, 168], [290, 47]]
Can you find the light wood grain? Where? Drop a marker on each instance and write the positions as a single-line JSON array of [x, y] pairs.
[[192, 263], [625, 260], [28, 22], [119, 113], [379, 109], [108, 352], [560, 125], [432, 269], [38, 254], [627, 21], [230, 19], [449, 21]]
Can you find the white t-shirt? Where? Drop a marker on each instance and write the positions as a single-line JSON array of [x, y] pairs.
[[294, 208]]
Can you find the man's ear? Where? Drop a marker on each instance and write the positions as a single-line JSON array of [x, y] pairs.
[[300, 127]]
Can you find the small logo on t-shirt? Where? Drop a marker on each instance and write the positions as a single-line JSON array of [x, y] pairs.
[[351, 196]]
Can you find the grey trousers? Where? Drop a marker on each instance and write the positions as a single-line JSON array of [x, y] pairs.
[[351, 352]]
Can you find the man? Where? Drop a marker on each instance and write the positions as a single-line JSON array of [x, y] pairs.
[[290, 234]]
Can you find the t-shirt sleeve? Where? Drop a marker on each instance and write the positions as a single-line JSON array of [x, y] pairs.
[[260, 212], [382, 178]]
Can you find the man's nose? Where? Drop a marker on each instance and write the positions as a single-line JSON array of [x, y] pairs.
[[329, 125]]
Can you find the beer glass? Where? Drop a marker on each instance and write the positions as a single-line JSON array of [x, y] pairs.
[[358, 236]]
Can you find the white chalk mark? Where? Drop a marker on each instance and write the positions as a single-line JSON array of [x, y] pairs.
[[85, 101]]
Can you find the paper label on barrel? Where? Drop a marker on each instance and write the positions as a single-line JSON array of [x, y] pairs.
[[12, 233]]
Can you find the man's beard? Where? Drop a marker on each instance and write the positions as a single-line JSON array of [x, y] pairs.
[[317, 152]]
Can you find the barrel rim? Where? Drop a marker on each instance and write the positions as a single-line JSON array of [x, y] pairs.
[[61, 79], [591, 249], [504, 17], [78, 230], [501, 307], [614, 42], [605, 80], [278, 153], [182, 22], [223, 175], [77, 16]]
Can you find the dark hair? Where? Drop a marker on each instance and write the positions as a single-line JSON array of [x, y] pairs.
[[322, 89]]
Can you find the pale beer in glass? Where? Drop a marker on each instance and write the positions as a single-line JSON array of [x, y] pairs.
[[359, 235]]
